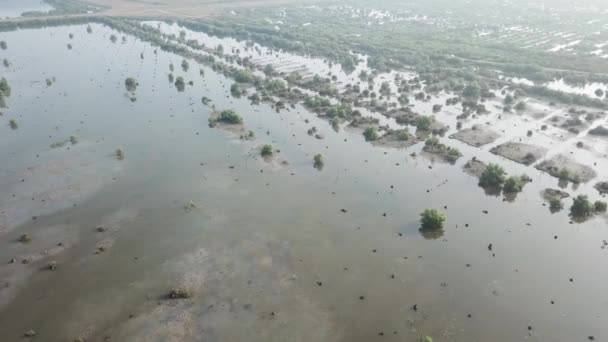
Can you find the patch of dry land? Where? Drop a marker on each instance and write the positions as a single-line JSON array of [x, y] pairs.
[[519, 152], [477, 135], [565, 168], [397, 139], [474, 167]]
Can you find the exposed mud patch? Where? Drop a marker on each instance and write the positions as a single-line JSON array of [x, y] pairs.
[[476, 136], [575, 171], [474, 167], [522, 153]]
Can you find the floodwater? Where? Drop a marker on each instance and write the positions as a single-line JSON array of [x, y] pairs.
[[14, 8], [264, 248]]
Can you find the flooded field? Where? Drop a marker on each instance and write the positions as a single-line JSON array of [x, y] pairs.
[[124, 216], [15, 8]]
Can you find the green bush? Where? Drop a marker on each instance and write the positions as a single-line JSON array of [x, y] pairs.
[[318, 161], [555, 204], [230, 117], [431, 219], [131, 84], [266, 151], [493, 176], [599, 206], [424, 123], [370, 134], [513, 184], [581, 207]]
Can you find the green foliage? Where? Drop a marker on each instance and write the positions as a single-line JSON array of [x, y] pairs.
[[266, 151], [235, 90], [513, 184], [120, 154], [268, 70], [370, 133], [3, 45], [230, 117], [493, 176], [471, 91], [318, 161], [180, 84], [403, 135], [432, 219], [599, 207], [243, 76], [13, 123], [5, 89], [315, 102], [581, 207], [185, 65], [424, 123], [555, 204], [131, 84]]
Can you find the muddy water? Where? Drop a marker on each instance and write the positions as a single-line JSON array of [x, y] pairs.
[[265, 250]]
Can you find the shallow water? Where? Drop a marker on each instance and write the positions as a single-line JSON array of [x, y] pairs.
[[14, 8], [266, 251]]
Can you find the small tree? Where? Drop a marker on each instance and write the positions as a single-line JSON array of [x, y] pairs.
[[120, 154], [3, 45], [370, 134], [318, 161], [231, 117], [180, 84], [599, 92], [424, 123], [266, 151], [513, 184], [131, 84], [599, 207], [493, 176], [581, 207], [521, 105], [185, 65], [403, 135], [432, 219], [555, 204]]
